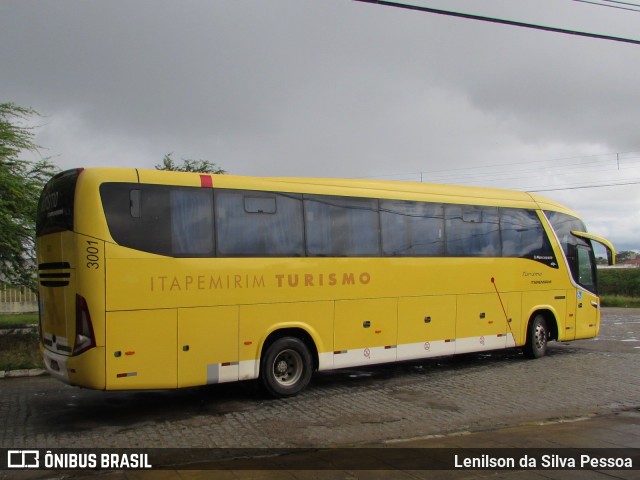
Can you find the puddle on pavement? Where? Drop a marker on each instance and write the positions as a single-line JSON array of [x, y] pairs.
[[70, 409]]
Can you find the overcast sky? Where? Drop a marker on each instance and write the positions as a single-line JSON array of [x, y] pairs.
[[341, 88]]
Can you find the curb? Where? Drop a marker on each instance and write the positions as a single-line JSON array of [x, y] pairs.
[[18, 330], [31, 372]]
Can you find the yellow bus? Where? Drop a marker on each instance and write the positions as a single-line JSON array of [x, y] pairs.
[[152, 279]]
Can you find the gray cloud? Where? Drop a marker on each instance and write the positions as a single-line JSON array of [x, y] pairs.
[[330, 88]]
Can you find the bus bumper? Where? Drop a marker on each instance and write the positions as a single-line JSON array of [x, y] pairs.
[[65, 368]]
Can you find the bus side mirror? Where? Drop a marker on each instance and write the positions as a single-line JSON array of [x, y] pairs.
[[611, 257], [611, 252]]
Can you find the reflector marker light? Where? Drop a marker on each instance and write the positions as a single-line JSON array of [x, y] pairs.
[[206, 181]]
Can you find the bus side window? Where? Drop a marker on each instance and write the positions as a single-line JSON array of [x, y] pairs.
[[472, 231], [258, 224], [412, 228], [136, 215], [341, 226], [191, 222], [523, 235], [156, 218], [585, 269]]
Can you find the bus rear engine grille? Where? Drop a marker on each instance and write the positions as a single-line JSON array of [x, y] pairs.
[[54, 279]]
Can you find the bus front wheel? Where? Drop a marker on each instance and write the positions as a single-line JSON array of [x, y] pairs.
[[286, 367], [537, 337]]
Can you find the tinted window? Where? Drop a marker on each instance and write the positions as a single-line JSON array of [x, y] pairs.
[[412, 228], [523, 236], [472, 231], [179, 221], [174, 221], [563, 224], [341, 226], [259, 223], [586, 271], [191, 221], [55, 207]]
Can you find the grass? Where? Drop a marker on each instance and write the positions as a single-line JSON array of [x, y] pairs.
[[618, 301], [12, 320], [18, 351]]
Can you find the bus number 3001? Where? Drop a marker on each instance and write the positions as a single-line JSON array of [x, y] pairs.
[[93, 258]]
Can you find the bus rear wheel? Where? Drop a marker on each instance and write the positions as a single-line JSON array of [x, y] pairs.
[[286, 367], [537, 337]]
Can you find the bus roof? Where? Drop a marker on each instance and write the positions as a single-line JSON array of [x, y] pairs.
[[389, 189]]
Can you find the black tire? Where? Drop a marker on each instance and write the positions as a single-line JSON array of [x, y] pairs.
[[285, 367], [537, 337]]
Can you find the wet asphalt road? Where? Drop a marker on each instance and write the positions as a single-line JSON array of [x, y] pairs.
[[386, 404]]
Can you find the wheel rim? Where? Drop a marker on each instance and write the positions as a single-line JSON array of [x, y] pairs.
[[287, 367], [540, 337]]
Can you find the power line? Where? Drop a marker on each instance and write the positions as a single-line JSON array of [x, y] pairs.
[[601, 162], [611, 6], [594, 185], [558, 170], [633, 4], [501, 21], [555, 171], [622, 3], [596, 164]]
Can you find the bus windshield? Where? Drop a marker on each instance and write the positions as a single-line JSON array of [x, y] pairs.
[[579, 251]]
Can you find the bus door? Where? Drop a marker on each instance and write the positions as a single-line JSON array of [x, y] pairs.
[[587, 304]]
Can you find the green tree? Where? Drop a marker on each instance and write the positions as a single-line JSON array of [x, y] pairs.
[[625, 255], [21, 182], [187, 165]]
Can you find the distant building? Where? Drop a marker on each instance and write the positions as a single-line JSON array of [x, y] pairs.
[[632, 262], [627, 263]]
